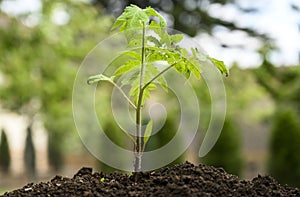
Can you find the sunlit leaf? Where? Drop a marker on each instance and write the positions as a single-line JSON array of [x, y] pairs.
[[176, 38], [193, 68], [220, 65], [132, 17], [151, 12], [153, 40], [128, 66], [133, 54]]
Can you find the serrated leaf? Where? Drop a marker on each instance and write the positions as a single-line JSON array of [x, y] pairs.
[[151, 12], [184, 52], [173, 57], [176, 38], [193, 68], [159, 25], [154, 40], [180, 67], [133, 54], [135, 43], [128, 66], [152, 69], [220, 65], [132, 17], [165, 40], [187, 74], [134, 90], [118, 23], [194, 52], [100, 77], [148, 132], [129, 79], [155, 55], [151, 87]]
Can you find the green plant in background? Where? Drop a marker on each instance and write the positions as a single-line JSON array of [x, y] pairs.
[[36, 74], [4, 153], [29, 154], [227, 151], [284, 160], [149, 42]]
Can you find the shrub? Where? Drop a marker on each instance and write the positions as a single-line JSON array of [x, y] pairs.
[[55, 151], [4, 153], [284, 160], [29, 154], [227, 151]]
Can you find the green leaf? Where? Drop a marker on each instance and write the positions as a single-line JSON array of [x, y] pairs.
[[150, 68], [154, 40], [135, 43], [193, 68], [148, 132], [133, 54], [151, 12], [195, 52], [220, 65], [100, 77], [154, 55], [166, 40], [129, 65], [176, 38], [159, 25], [132, 76], [132, 17], [134, 90], [184, 52], [181, 68]]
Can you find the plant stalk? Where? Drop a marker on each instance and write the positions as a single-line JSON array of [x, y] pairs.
[[138, 148]]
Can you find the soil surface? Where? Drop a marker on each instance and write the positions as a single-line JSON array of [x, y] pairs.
[[180, 180]]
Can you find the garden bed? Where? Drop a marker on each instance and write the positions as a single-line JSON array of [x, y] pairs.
[[180, 180]]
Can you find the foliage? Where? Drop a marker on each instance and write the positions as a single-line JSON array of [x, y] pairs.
[[29, 154], [39, 64], [144, 50], [187, 16], [284, 161], [227, 151], [282, 83], [4, 153]]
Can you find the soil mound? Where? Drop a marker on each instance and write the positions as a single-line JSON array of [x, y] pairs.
[[180, 180]]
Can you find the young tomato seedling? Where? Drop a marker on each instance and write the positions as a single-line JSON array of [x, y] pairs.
[[149, 42]]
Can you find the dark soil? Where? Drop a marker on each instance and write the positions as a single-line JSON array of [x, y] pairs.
[[180, 180]]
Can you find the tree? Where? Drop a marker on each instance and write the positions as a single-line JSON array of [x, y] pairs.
[[29, 154], [39, 64], [284, 160], [4, 153], [282, 83], [188, 16]]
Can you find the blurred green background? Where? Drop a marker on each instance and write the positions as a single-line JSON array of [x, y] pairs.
[[43, 44]]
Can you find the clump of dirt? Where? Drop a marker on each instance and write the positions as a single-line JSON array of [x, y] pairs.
[[180, 180]]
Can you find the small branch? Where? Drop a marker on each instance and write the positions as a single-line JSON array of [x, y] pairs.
[[123, 93], [159, 74]]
